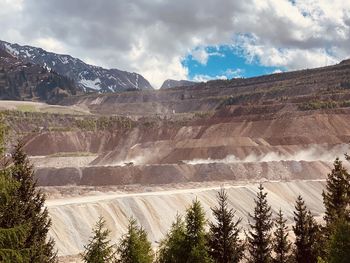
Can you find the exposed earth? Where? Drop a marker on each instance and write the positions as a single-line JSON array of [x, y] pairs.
[[149, 153]]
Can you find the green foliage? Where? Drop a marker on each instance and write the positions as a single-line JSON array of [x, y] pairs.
[[172, 247], [307, 234], [104, 123], [196, 247], [224, 243], [339, 243], [26, 108], [259, 236], [134, 247], [28, 208], [202, 114], [12, 239], [317, 104], [281, 245], [99, 249], [3, 133], [336, 197]]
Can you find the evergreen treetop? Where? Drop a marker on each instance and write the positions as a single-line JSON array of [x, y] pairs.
[[134, 246], [224, 242], [307, 234], [281, 245], [172, 248], [259, 236], [196, 243], [99, 249], [29, 208], [336, 197]]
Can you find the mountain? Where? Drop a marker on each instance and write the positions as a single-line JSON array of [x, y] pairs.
[[21, 80], [171, 83], [88, 77]]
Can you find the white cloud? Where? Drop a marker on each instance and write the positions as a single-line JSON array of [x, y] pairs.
[[290, 58], [234, 73], [200, 55], [50, 44], [152, 37], [277, 71], [205, 78]]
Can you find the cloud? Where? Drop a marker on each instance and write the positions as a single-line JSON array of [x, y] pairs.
[[200, 55], [153, 37], [205, 78], [234, 73]]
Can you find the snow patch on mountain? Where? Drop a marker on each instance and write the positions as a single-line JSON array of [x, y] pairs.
[[91, 84], [11, 50]]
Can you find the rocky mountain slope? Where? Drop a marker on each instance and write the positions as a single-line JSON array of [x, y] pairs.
[[170, 83], [88, 77], [26, 81]]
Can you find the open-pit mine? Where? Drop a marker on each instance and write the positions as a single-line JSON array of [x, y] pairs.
[[148, 154]]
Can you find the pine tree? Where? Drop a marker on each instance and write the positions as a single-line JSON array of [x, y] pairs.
[[259, 237], [224, 243], [339, 243], [336, 198], [306, 234], [196, 245], [12, 240], [29, 209], [3, 134], [134, 247], [281, 245], [99, 249], [172, 247]]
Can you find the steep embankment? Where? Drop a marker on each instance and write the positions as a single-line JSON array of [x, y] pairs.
[[73, 218], [297, 145], [276, 127]]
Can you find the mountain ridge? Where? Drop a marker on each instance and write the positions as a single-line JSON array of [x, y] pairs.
[[20, 80], [171, 83], [88, 77]]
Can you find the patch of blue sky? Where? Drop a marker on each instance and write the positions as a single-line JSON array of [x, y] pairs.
[[225, 62]]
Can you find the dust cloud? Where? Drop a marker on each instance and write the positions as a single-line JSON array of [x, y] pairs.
[[314, 153]]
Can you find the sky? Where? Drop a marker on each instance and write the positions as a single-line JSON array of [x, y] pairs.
[[185, 39]]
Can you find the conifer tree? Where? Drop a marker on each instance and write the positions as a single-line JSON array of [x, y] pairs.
[[259, 236], [336, 197], [306, 234], [12, 239], [224, 242], [134, 247], [172, 248], [196, 245], [99, 249], [281, 244], [29, 209], [339, 243]]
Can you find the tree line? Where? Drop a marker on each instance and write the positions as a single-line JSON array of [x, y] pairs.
[[24, 226], [192, 239]]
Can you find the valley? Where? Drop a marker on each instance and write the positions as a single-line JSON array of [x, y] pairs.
[[148, 153]]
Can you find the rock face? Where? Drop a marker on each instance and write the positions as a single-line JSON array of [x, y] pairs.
[[26, 81], [88, 77], [170, 83]]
